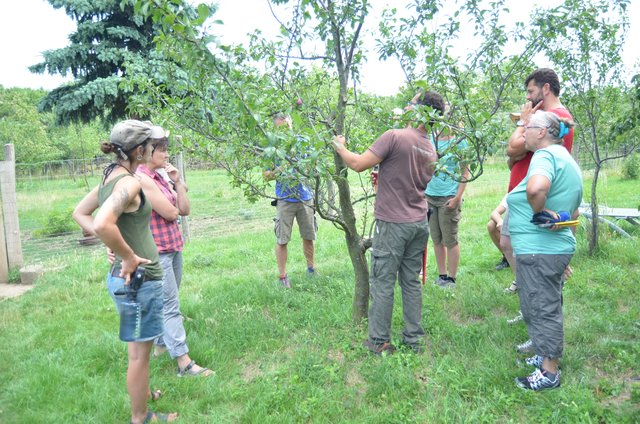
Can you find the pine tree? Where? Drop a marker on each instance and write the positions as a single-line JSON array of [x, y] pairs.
[[109, 35]]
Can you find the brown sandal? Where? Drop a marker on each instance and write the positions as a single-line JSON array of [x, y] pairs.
[[189, 371]]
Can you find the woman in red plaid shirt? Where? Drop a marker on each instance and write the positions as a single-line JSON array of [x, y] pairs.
[[167, 193]]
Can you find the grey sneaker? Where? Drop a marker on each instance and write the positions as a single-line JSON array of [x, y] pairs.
[[446, 282], [515, 319], [526, 347], [440, 281], [538, 380], [284, 282]]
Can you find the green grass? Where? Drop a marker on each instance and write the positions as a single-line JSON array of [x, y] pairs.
[[288, 356]]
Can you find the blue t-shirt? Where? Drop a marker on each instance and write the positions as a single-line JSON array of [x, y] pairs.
[[294, 194], [289, 191], [442, 184], [555, 163]]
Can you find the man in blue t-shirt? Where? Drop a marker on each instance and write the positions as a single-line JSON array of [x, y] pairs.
[[293, 201], [444, 196]]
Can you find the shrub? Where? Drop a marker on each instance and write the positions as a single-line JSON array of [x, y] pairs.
[[631, 167], [58, 222]]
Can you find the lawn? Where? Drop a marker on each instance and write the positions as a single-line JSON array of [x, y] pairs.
[[288, 356]]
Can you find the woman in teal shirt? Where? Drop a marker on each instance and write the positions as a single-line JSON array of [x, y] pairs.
[[543, 252]]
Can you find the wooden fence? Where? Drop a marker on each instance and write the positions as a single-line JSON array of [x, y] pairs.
[[10, 245]]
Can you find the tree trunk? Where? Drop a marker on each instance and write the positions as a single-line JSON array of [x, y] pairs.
[[593, 237], [361, 273], [354, 246]]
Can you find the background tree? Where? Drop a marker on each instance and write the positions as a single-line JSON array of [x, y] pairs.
[[584, 40], [22, 125], [36, 136], [229, 104], [482, 81], [108, 37]]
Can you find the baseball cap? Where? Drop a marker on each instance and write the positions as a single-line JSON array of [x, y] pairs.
[[129, 134], [158, 132]]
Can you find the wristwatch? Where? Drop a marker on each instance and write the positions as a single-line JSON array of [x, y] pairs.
[[520, 123]]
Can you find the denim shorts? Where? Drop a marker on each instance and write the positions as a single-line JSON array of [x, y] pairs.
[[150, 300]]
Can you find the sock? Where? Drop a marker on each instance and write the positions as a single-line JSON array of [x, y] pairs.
[[310, 270], [443, 276]]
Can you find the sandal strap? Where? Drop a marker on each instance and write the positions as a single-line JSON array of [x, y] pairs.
[[186, 369], [155, 417]]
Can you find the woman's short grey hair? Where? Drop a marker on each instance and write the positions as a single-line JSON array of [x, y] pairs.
[[556, 127]]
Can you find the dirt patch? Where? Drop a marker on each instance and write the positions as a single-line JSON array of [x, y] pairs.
[[355, 380], [464, 319], [336, 355], [622, 307], [251, 372], [615, 390], [422, 379], [9, 291]]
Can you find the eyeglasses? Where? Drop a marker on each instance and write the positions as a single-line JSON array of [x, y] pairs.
[[526, 127]]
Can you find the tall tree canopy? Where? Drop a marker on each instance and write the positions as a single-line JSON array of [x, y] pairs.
[[109, 36]]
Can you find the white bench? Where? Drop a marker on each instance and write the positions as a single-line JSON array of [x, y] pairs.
[[628, 214]]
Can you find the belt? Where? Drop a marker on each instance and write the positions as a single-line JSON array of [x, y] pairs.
[[115, 271]]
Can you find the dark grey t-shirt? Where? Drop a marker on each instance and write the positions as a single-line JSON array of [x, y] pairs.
[[407, 165]]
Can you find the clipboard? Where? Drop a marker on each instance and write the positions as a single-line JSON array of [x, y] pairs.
[[561, 224]]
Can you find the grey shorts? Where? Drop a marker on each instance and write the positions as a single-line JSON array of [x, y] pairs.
[[540, 290], [443, 222], [303, 212]]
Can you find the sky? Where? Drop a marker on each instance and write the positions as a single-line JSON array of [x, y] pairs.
[[29, 27]]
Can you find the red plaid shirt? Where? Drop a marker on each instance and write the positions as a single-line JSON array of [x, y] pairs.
[[166, 234]]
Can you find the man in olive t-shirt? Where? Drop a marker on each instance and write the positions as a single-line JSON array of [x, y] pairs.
[[406, 159]]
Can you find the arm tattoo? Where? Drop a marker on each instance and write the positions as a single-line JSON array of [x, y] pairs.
[[120, 201]]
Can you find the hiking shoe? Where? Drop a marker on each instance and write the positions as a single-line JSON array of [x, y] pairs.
[[513, 288], [534, 361], [284, 282], [504, 263], [515, 319], [526, 347], [379, 349], [538, 380], [417, 348]]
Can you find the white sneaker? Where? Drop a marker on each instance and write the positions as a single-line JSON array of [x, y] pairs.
[[515, 319], [513, 288], [526, 347]]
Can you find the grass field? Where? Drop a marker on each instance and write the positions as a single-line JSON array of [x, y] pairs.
[[288, 356]]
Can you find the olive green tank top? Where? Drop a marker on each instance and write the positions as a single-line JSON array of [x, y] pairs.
[[134, 227]]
